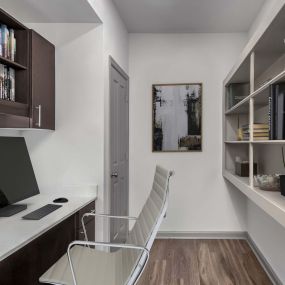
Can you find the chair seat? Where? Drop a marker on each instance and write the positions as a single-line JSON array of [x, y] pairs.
[[91, 267]]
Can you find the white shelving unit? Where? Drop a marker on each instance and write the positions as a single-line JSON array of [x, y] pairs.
[[261, 64]]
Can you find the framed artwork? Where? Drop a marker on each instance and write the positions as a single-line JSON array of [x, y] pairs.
[[177, 117]]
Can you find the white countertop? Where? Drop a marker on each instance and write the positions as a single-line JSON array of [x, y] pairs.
[[16, 232]]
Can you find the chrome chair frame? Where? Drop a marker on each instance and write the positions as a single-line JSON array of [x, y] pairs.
[[106, 244], [94, 214], [144, 256]]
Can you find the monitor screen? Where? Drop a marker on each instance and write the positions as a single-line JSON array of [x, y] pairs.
[[17, 177]]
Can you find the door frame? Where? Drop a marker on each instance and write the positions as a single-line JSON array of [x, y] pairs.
[[107, 153]]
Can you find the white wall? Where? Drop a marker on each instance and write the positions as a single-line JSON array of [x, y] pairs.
[[75, 154], [200, 200], [115, 44], [269, 8], [72, 155], [269, 236]]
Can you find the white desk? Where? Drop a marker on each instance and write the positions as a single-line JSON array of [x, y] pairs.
[[16, 232]]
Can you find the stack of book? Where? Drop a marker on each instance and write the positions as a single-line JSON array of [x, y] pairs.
[[7, 83], [260, 132], [276, 112], [8, 42]]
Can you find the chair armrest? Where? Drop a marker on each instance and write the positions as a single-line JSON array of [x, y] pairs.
[[92, 213], [103, 244]]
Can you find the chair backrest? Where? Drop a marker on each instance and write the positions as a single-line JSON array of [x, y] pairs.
[[147, 225]]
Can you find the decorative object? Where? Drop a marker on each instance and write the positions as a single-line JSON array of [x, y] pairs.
[[242, 168], [282, 176], [177, 117], [267, 182]]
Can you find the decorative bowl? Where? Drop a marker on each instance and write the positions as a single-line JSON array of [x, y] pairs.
[[267, 182]]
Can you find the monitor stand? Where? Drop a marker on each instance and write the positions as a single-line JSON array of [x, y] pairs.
[[11, 210]]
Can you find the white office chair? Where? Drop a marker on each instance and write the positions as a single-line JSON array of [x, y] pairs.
[[84, 265]]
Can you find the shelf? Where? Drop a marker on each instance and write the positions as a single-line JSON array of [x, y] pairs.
[[269, 142], [237, 142], [239, 108], [260, 95], [273, 203], [279, 77], [235, 179], [12, 64], [256, 142], [14, 108]]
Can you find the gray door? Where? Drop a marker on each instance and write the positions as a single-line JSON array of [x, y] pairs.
[[119, 142]]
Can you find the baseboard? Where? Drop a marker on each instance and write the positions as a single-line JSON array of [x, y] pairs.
[[202, 235], [225, 235], [263, 261]]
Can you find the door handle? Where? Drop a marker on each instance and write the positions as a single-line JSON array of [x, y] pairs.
[[39, 123], [114, 174]]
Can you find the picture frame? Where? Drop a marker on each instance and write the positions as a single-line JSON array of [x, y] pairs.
[[177, 117]]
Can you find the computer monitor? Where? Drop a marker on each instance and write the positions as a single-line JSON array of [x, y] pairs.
[[17, 177]]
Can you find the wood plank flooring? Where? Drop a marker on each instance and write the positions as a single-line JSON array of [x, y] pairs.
[[203, 262]]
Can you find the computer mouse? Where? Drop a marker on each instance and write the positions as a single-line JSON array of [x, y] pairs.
[[60, 200]]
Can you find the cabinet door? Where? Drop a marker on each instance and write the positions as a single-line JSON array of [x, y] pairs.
[[42, 68]]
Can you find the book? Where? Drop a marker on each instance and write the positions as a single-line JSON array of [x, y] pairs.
[[5, 40], [12, 45], [7, 83], [1, 81], [280, 93], [260, 130], [272, 113], [261, 138], [257, 126], [12, 84], [1, 51]]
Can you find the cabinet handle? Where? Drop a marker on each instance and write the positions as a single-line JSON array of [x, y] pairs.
[[39, 123]]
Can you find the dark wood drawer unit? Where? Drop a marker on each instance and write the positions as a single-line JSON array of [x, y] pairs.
[[25, 266]]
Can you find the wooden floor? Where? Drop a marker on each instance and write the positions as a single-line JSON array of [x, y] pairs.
[[203, 262]]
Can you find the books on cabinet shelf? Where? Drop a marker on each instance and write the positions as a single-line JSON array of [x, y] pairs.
[[8, 42], [260, 132], [7, 83]]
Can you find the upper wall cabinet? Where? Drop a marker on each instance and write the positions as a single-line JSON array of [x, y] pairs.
[[42, 74], [27, 77]]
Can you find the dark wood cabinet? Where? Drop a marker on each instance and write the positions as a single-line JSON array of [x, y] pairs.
[[34, 65], [42, 74], [27, 264]]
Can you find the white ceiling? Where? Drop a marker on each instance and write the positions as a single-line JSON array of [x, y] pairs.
[[188, 16], [51, 11]]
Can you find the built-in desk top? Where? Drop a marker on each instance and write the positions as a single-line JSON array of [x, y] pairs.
[[16, 232]]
